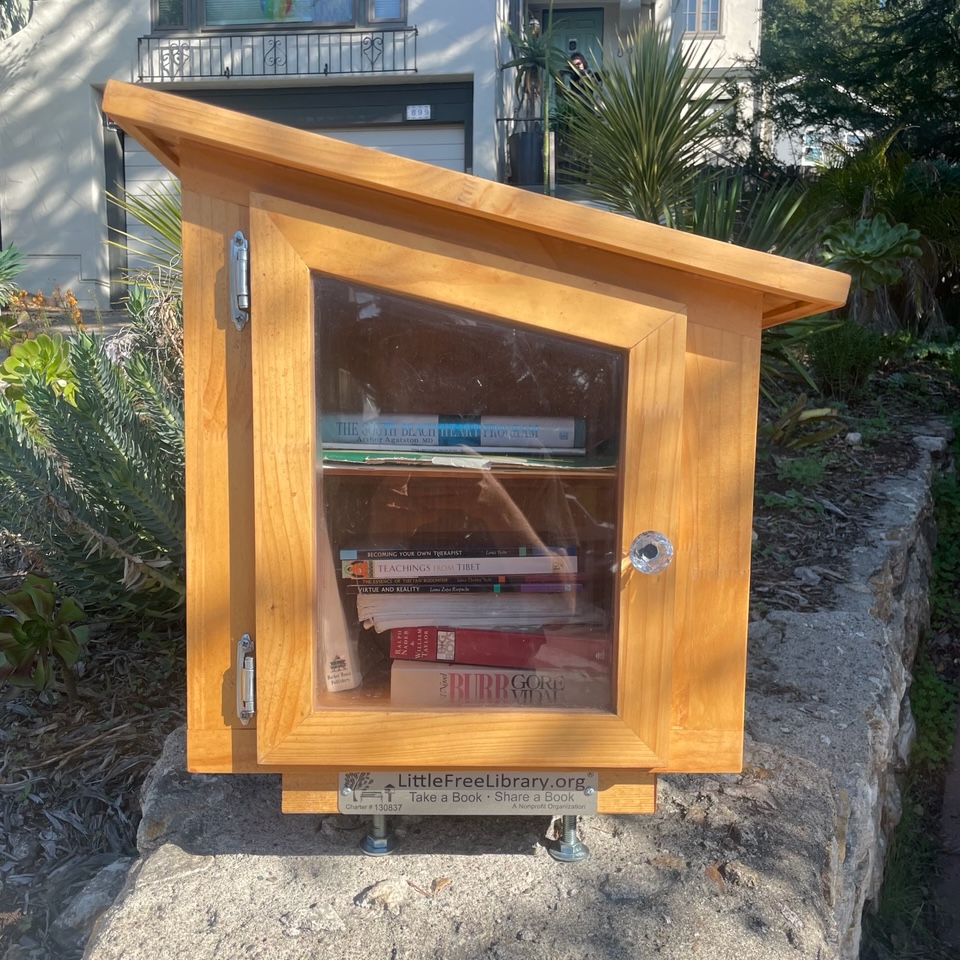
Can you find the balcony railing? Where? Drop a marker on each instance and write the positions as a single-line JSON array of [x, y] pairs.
[[293, 54]]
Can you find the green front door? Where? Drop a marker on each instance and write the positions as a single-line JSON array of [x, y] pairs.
[[578, 31]]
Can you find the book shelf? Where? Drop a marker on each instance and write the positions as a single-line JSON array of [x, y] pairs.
[[387, 296]]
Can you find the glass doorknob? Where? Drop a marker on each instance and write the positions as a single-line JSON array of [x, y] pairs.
[[651, 552]]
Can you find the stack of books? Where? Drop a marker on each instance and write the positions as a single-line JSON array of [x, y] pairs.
[[486, 626]]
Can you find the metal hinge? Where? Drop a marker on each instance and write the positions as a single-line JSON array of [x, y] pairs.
[[246, 679], [239, 280]]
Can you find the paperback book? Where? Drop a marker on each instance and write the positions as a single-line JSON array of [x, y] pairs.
[[390, 569], [414, 586], [504, 611], [503, 648], [418, 684], [450, 553]]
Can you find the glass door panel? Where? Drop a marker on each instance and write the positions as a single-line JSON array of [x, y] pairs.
[[468, 493]]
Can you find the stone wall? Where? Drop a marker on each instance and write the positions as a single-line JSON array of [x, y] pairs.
[[776, 862], [832, 686]]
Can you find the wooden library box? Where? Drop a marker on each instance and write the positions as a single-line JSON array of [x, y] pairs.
[[469, 476]]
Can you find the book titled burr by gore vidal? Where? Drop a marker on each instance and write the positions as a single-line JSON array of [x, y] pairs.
[[414, 683]]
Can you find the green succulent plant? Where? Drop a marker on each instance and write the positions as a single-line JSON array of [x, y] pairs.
[[39, 632], [869, 250], [44, 356]]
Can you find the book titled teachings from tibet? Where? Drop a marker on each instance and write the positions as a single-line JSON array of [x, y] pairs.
[[421, 684], [416, 567], [503, 648], [442, 432]]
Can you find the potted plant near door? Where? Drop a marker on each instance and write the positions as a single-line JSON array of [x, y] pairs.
[[538, 63]]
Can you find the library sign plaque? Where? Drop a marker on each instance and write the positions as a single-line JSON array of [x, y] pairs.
[[487, 792], [470, 478]]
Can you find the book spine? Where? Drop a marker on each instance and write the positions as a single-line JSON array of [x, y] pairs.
[[492, 579], [428, 567], [415, 587], [442, 431], [461, 685], [499, 648], [338, 650], [375, 553]]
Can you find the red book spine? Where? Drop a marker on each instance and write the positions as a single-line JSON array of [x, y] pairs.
[[499, 648]]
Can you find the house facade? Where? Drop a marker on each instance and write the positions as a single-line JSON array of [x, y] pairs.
[[420, 78]]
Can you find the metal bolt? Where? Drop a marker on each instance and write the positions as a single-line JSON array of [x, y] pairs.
[[590, 791], [569, 848], [345, 792], [380, 841]]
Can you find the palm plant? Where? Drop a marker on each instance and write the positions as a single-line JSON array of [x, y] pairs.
[[644, 129], [11, 263], [159, 211], [772, 216]]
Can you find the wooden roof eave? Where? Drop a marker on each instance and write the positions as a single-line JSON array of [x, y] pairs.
[[162, 122]]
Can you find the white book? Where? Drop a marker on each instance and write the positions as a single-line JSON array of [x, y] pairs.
[[502, 611]]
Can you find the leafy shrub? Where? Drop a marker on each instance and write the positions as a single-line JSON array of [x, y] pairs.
[[932, 700], [792, 428], [845, 358], [39, 632], [93, 481]]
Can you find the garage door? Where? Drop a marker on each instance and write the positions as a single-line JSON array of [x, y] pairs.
[[440, 144]]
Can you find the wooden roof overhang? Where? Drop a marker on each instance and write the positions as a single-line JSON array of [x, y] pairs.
[[186, 136]]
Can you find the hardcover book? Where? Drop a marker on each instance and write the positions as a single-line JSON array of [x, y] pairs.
[[415, 431], [463, 685], [502, 648]]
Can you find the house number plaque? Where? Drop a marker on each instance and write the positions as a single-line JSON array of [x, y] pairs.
[[500, 792]]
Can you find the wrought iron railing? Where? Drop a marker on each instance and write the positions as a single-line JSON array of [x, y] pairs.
[[292, 54]]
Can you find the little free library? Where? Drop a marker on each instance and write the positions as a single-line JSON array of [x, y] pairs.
[[469, 476]]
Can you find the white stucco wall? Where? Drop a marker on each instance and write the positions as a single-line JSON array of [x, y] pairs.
[[52, 203], [51, 147]]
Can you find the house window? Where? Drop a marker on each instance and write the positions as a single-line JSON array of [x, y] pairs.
[[381, 10], [195, 14], [701, 16]]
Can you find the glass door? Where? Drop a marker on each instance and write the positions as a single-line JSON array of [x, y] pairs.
[[468, 483], [460, 464]]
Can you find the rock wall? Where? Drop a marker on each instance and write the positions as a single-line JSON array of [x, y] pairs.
[[832, 687], [776, 862]]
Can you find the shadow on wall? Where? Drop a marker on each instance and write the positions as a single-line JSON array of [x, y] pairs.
[[14, 16]]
